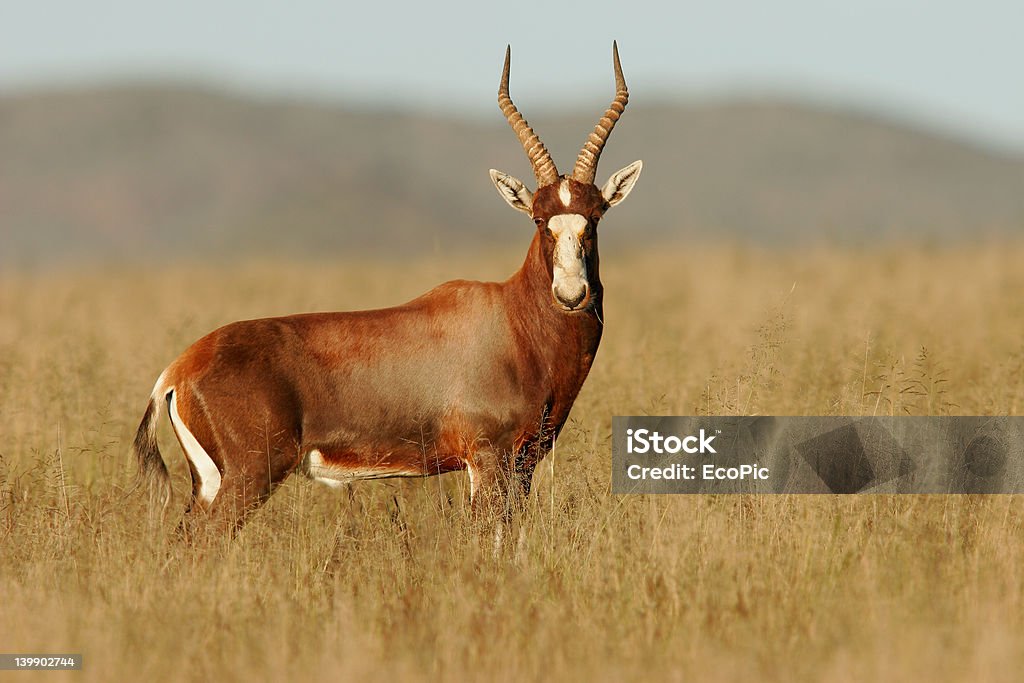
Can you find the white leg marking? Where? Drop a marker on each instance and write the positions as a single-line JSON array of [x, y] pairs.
[[472, 484], [209, 475]]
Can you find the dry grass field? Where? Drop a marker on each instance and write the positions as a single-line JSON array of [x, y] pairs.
[[389, 581]]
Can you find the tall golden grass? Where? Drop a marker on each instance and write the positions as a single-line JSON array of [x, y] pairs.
[[389, 580]]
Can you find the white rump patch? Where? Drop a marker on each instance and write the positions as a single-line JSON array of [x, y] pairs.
[[337, 475], [205, 468], [159, 390], [564, 193]]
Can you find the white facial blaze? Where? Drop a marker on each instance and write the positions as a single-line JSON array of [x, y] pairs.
[[569, 284], [564, 193]]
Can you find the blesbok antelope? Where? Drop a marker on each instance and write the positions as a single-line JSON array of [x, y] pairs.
[[472, 375]]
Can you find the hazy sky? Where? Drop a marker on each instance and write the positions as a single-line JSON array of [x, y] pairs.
[[955, 65]]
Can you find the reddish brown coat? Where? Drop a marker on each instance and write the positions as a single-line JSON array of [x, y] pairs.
[[477, 375]]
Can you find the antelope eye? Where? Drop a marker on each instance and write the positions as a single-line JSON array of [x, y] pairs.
[[538, 222]]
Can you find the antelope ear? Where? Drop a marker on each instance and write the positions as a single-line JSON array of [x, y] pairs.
[[621, 182], [513, 191]]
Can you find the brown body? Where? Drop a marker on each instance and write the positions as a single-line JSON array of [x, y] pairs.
[[471, 375]]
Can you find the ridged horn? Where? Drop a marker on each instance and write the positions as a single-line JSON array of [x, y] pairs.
[[540, 158], [586, 162]]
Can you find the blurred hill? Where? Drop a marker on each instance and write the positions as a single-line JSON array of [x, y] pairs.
[[140, 172]]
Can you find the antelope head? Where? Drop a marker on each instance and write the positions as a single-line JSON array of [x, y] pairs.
[[567, 208]]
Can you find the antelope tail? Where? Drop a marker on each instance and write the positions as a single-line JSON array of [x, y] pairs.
[[152, 474]]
